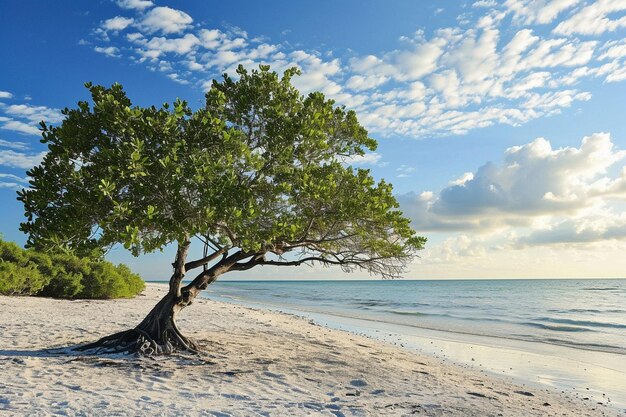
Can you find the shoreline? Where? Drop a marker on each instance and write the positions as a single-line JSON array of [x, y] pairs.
[[589, 373], [256, 362]]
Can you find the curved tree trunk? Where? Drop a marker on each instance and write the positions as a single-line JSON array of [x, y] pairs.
[[156, 334]]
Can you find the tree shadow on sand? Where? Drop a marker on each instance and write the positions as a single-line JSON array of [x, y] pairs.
[[122, 360]]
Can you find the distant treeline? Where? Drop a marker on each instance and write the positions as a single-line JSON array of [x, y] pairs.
[[29, 272]]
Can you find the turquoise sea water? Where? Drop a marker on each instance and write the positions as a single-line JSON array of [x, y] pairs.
[[569, 334], [584, 314]]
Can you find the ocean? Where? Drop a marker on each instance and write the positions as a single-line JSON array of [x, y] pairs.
[[569, 334]]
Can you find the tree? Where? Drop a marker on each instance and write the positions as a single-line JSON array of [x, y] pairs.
[[257, 175]]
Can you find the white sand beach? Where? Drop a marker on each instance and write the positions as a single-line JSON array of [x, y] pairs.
[[256, 363]]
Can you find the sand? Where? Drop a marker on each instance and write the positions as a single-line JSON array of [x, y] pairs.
[[256, 363]]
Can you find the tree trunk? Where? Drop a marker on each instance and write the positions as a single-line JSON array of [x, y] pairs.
[[157, 334]]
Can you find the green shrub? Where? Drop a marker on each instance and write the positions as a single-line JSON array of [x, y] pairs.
[[20, 280], [28, 272], [66, 276], [19, 271], [109, 281]]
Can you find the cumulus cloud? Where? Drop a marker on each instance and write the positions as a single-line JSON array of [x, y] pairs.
[[117, 23], [583, 230], [404, 171], [594, 19], [10, 185], [18, 126], [462, 80], [371, 158], [5, 94], [533, 181], [485, 3], [562, 206], [158, 46], [134, 4], [30, 116], [13, 159], [450, 81], [13, 144], [165, 20], [34, 113], [110, 51], [538, 11], [12, 181]]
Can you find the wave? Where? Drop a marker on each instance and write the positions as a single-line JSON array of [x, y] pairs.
[[596, 347], [583, 323], [585, 310], [599, 347], [576, 325], [601, 289], [557, 328], [464, 330], [414, 313]]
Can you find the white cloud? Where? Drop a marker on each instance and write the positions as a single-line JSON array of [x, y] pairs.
[[485, 3], [614, 50], [359, 82], [533, 181], [13, 145], [134, 37], [452, 81], [316, 73], [465, 69], [211, 39], [5, 94], [117, 23], [371, 158], [12, 159], [134, 4], [595, 18], [176, 78], [31, 117], [563, 207], [468, 176], [580, 230], [165, 20], [619, 74], [11, 177], [404, 171], [18, 126], [158, 46], [111, 51], [538, 11], [34, 113], [555, 100]]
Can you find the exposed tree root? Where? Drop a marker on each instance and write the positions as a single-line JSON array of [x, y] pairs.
[[157, 334], [139, 342]]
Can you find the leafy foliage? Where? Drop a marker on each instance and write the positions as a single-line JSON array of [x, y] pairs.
[[62, 275], [258, 170], [19, 270], [106, 280]]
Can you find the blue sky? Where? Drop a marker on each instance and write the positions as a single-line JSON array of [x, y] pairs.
[[500, 124]]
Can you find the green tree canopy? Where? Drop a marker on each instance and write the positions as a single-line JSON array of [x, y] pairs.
[[258, 175]]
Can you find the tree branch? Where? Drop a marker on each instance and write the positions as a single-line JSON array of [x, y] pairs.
[[353, 260], [257, 259], [204, 278], [203, 261]]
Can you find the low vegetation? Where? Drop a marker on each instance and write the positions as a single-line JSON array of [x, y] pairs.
[[62, 275]]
